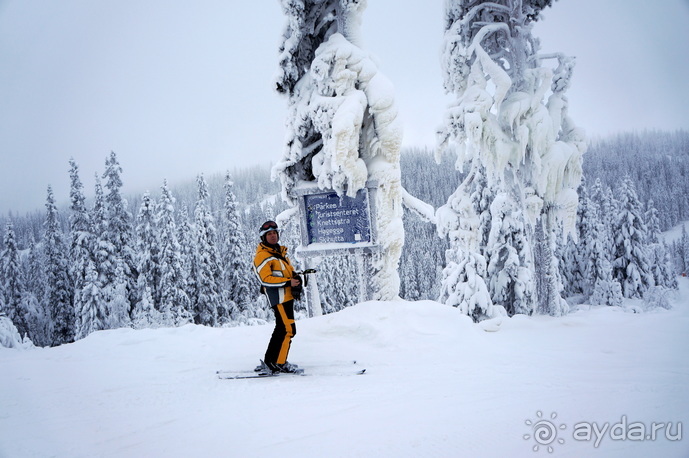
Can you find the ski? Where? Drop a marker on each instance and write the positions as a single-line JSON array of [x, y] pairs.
[[228, 375], [235, 376]]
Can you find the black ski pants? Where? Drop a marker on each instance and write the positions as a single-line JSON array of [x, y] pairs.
[[285, 329]]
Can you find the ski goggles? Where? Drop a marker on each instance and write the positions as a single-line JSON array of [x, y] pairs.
[[267, 227]]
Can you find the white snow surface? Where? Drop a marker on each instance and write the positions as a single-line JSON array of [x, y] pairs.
[[436, 385], [675, 233]]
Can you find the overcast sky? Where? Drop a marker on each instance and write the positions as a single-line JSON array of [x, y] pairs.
[[178, 88]]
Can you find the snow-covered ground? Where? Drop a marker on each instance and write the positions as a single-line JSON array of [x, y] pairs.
[[675, 233], [436, 385]]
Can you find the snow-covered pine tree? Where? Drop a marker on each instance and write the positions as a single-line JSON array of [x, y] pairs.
[[117, 295], [660, 259], [465, 274], [11, 287], [509, 271], [81, 237], [662, 266], [678, 249], [208, 307], [631, 260], [9, 336], [343, 130], [596, 232], [530, 150], [103, 250], [236, 267], [604, 201], [188, 258], [606, 290], [684, 243], [147, 253], [34, 272], [80, 248], [33, 314], [118, 228], [576, 255], [338, 291], [652, 223], [91, 304], [145, 314], [58, 290], [34, 298], [175, 305]]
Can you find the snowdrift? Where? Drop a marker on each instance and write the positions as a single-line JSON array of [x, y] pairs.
[[436, 385]]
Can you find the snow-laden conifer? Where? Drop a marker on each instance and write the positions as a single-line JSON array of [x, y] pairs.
[[684, 243], [118, 227], [81, 237], [58, 288], [631, 259], [117, 296], [90, 304], [606, 290], [502, 124], [659, 256], [662, 267], [236, 264], [11, 287], [188, 259], [103, 249], [343, 130], [652, 223], [604, 201], [509, 271], [81, 258], [208, 305], [175, 305], [34, 298], [576, 255], [145, 314], [147, 252], [9, 335], [34, 271]]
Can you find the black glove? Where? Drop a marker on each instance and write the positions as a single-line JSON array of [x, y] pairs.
[[296, 290]]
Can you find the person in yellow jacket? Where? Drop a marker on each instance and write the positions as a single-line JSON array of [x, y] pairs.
[[277, 277]]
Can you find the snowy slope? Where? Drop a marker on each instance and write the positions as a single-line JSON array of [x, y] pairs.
[[436, 385], [675, 233]]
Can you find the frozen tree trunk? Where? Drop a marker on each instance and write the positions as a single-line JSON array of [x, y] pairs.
[[343, 132]]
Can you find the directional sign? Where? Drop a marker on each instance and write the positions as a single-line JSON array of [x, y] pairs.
[[338, 219]]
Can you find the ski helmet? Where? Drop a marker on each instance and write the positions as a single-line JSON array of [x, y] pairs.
[[267, 227]]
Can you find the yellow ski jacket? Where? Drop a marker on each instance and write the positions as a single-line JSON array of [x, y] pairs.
[[274, 270]]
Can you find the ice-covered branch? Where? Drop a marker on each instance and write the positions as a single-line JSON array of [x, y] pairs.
[[287, 216], [421, 208], [499, 77], [469, 17]]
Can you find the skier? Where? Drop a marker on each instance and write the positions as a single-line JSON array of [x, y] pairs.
[[278, 279]]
